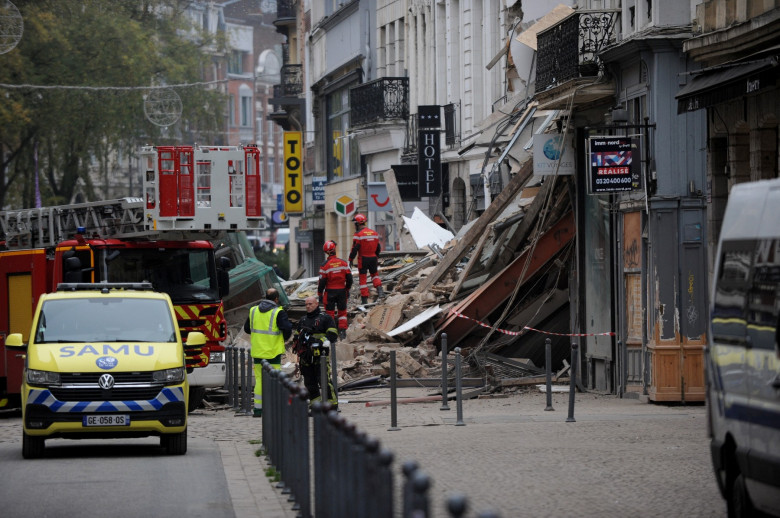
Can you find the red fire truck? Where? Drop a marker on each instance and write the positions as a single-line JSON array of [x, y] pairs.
[[192, 195]]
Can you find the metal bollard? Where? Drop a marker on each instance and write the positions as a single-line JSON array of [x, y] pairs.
[[457, 505], [321, 447], [421, 483], [548, 368], [236, 379], [241, 362], [408, 468], [301, 476], [341, 479], [393, 394], [284, 401], [458, 389], [229, 374], [386, 494], [572, 383], [323, 378], [378, 485], [266, 435], [444, 389], [334, 368], [249, 391]]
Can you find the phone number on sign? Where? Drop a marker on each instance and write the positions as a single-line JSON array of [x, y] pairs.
[[613, 181]]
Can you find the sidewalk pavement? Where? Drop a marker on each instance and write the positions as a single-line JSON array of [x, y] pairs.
[[621, 457]]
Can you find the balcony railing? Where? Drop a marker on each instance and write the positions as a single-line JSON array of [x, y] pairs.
[[382, 99], [285, 9], [292, 80], [569, 49]]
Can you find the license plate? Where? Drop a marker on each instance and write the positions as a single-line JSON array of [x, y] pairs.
[[106, 420]]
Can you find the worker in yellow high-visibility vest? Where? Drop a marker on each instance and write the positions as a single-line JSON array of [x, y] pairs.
[[269, 327]]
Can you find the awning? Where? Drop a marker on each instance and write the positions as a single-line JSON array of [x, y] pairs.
[[724, 83]]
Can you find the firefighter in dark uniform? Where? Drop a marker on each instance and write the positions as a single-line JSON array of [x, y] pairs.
[[333, 289], [366, 247], [311, 333]]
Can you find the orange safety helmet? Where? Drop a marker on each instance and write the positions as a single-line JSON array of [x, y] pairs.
[[329, 247], [359, 219]]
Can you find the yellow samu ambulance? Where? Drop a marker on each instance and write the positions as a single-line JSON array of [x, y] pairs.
[[104, 360]]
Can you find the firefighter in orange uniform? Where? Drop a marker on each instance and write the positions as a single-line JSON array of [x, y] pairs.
[[333, 289], [366, 246]]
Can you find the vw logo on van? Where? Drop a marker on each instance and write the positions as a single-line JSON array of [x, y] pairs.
[[106, 381]]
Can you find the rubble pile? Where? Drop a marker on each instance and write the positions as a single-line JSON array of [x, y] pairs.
[[503, 272]]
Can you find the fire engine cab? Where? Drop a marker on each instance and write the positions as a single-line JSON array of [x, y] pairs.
[[191, 196]]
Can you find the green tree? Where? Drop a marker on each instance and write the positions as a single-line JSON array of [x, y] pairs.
[[100, 45]]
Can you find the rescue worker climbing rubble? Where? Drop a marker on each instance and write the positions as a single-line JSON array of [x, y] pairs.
[[366, 247], [334, 285]]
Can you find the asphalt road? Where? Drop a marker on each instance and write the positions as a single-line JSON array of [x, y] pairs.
[[113, 477]]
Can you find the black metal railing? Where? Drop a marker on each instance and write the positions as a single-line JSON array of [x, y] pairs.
[[383, 99], [569, 49], [343, 471], [285, 9]]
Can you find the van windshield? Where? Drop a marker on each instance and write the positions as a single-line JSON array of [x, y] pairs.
[[105, 319]]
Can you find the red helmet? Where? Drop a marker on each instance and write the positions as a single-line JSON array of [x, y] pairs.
[[329, 247], [359, 219]]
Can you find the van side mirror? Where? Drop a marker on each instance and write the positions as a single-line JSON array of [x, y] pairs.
[[223, 279], [14, 341]]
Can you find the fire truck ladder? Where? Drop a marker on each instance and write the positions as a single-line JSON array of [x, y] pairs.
[[46, 226]]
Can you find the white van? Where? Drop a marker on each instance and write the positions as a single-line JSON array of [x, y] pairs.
[[743, 361]]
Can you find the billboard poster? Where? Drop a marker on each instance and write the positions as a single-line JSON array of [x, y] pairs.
[[614, 164]]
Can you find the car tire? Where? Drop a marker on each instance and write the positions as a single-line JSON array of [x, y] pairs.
[[174, 444], [739, 505], [32, 447], [195, 398]]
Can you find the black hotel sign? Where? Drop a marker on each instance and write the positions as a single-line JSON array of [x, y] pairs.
[[429, 150]]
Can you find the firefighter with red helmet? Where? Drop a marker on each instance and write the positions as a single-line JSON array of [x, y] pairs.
[[333, 288], [366, 246]]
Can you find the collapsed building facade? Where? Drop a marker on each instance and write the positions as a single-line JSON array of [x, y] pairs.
[[548, 243]]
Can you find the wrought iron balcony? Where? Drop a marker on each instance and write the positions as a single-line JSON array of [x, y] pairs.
[[569, 49], [285, 9], [383, 99]]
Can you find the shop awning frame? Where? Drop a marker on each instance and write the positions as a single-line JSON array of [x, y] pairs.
[[726, 82]]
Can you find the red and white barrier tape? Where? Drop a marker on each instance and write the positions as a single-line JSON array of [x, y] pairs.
[[518, 333]]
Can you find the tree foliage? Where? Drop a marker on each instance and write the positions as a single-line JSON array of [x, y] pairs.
[[101, 45]]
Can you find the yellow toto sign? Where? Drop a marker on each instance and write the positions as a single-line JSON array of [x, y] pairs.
[[293, 172]]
